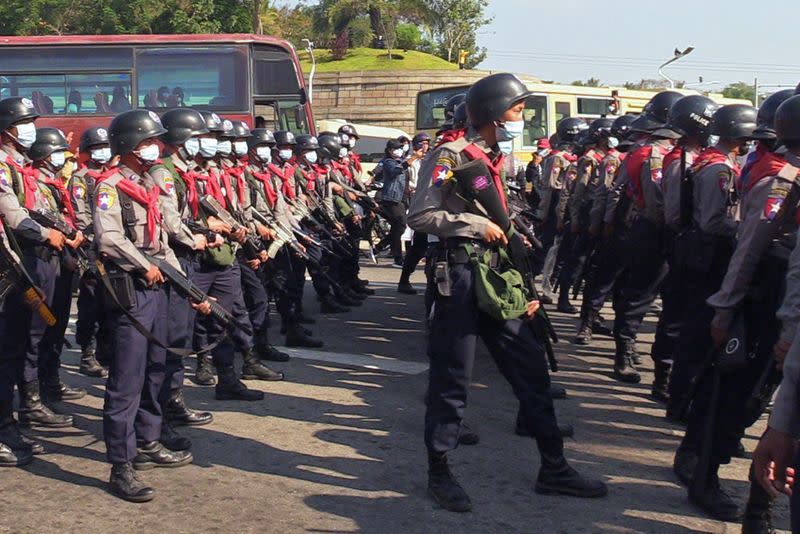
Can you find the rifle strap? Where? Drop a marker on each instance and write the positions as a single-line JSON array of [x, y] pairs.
[[103, 275]]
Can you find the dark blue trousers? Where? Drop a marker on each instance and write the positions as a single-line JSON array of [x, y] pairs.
[[256, 300], [44, 274], [131, 410], [242, 341], [180, 321], [608, 265], [220, 283], [454, 330], [92, 317], [53, 340]]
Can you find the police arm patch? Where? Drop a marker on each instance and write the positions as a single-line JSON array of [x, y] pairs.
[[5, 178], [106, 198], [78, 191], [169, 185], [443, 171], [772, 206]]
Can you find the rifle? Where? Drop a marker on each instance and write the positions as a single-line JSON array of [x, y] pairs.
[[188, 290], [475, 188], [252, 245], [197, 228], [305, 214], [13, 275], [52, 221]]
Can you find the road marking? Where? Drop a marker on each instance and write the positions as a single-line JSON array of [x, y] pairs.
[[380, 363]]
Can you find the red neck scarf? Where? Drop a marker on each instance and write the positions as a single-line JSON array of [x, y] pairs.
[[286, 179], [211, 179], [101, 176], [769, 164], [28, 175], [63, 199], [356, 160], [266, 179], [311, 178], [236, 172], [344, 169], [474, 152], [451, 135], [148, 199], [192, 198], [675, 154], [633, 167], [711, 156]]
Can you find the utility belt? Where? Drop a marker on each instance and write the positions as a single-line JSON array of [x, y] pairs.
[[454, 251], [183, 252], [698, 251], [125, 285]]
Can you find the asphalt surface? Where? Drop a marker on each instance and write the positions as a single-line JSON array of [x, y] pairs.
[[338, 447]]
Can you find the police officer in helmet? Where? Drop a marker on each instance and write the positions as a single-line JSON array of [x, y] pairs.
[[495, 106]]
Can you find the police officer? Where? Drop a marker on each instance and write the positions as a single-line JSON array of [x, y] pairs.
[[17, 134], [48, 153], [91, 320], [420, 145], [130, 235], [688, 122], [495, 106]]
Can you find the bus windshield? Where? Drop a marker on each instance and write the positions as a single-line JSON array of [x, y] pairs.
[[430, 106]]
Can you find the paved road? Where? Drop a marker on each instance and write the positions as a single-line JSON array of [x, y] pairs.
[[338, 448]]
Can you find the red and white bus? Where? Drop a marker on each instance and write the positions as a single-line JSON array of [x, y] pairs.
[[79, 81]]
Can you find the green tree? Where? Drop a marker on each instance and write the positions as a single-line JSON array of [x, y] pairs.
[[408, 36], [455, 26], [740, 90], [591, 82]]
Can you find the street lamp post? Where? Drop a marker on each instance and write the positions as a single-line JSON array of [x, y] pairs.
[[677, 55], [310, 49]]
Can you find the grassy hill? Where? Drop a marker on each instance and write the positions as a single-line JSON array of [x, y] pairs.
[[374, 59]]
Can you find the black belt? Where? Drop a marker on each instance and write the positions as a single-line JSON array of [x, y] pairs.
[[456, 252]]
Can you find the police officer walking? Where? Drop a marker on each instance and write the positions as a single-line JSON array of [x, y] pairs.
[[495, 106]]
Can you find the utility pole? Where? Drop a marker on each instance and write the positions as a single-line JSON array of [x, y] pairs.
[[310, 49], [676, 56], [755, 97]]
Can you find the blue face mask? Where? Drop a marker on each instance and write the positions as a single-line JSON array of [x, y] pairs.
[[506, 147], [509, 130]]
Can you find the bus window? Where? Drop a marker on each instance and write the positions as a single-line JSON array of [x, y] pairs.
[[47, 92], [98, 93], [562, 111], [273, 72], [282, 115], [535, 117], [66, 59], [430, 106], [594, 106], [210, 78]]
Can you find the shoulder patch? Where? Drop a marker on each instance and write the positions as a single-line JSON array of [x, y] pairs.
[[106, 198], [656, 172], [78, 191], [443, 170], [169, 184], [5, 176], [723, 179], [774, 202]]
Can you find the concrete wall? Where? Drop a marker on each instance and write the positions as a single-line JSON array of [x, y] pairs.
[[381, 98]]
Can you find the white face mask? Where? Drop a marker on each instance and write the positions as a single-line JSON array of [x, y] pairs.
[[285, 154], [240, 148], [613, 142], [406, 148], [208, 147], [311, 156], [352, 142], [713, 140], [57, 159], [264, 153], [510, 130], [26, 134], [506, 147], [192, 146], [224, 147], [343, 152], [398, 152], [101, 155], [149, 153]]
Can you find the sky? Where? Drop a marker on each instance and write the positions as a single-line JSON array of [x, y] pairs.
[[626, 40]]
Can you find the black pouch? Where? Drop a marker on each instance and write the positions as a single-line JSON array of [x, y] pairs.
[[124, 288], [695, 251]]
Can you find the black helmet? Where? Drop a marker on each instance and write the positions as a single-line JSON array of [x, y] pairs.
[[490, 97], [460, 116], [689, 117], [93, 137], [349, 129], [14, 110], [622, 126], [655, 113], [735, 121], [329, 145], [766, 114], [567, 129], [130, 128], [284, 137], [213, 122], [234, 129], [452, 103], [181, 124], [260, 136], [392, 144], [306, 142], [420, 138], [787, 120], [599, 129], [48, 140]]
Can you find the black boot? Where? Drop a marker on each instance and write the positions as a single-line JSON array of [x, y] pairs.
[[467, 436], [329, 305], [154, 454], [54, 390], [172, 440], [557, 477], [204, 375], [362, 289], [564, 305], [344, 300], [253, 369], [14, 458], [684, 464], [712, 499], [33, 412], [14, 439], [231, 388], [296, 337], [126, 485], [89, 364], [599, 328], [443, 486], [406, 288], [178, 414], [624, 371], [758, 511], [302, 318], [558, 392], [584, 335], [661, 381], [565, 430], [265, 351]]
